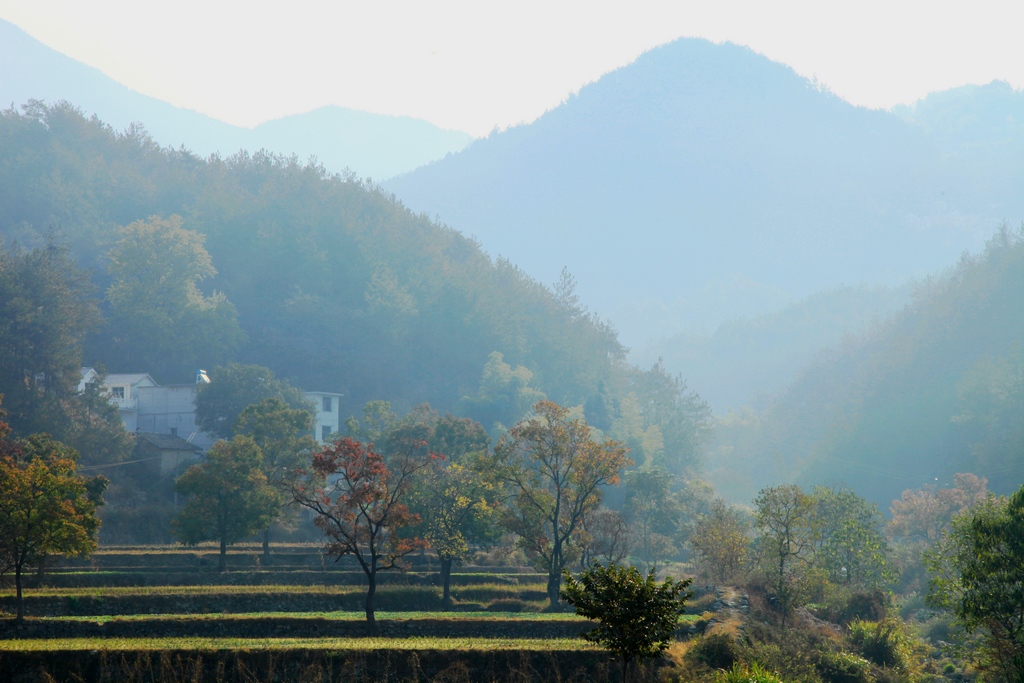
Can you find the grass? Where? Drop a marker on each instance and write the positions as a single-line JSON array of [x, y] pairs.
[[359, 644], [242, 589], [340, 616]]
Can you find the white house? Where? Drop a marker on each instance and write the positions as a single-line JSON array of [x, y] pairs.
[[147, 407], [327, 413]]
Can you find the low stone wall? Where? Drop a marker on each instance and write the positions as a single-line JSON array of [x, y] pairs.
[[283, 627]]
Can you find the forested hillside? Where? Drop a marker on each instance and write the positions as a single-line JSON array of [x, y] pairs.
[[704, 182], [937, 389], [325, 279]]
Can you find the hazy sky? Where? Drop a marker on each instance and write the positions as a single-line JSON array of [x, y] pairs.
[[479, 64]]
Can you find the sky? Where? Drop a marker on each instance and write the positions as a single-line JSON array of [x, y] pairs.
[[478, 65]]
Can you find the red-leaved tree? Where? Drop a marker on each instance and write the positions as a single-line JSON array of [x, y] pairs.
[[358, 501]]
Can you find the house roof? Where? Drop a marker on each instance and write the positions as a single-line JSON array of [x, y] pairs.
[[167, 442], [129, 378]]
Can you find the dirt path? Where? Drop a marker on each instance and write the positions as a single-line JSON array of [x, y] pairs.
[[730, 608]]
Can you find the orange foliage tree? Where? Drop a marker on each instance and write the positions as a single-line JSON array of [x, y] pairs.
[[359, 504], [554, 470]]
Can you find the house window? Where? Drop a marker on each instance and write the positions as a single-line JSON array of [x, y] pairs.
[[174, 431], [325, 431], [117, 392], [327, 404]]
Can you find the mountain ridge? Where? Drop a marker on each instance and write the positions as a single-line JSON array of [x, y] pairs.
[[699, 166], [338, 137]]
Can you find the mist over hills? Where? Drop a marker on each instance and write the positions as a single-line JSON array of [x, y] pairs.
[[748, 361], [705, 182], [933, 390], [370, 145]]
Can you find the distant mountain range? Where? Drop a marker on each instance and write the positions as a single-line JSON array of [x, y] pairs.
[[370, 145], [705, 182]]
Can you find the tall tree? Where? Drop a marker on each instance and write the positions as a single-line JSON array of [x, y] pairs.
[[554, 470], [283, 436], [977, 577], [653, 511], [683, 417], [360, 505], [47, 307], [160, 322], [229, 497], [721, 543], [851, 541], [232, 388], [786, 536], [46, 507]]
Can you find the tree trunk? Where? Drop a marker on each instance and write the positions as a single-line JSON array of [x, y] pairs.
[[446, 581], [223, 565], [554, 583], [371, 622], [266, 546], [20, 600], [41, 570]]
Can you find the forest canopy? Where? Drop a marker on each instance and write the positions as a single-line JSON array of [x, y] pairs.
[[325, 279]]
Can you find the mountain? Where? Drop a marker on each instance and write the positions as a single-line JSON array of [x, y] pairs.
[[747, 361], [705, 182], [371, 145], [935, 389]]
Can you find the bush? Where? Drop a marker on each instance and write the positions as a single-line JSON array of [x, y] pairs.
[[885, 643], [512, 605], [842, 667], [715, 651], [743, 674]]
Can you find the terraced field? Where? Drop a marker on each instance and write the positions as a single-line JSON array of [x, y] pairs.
[[165, 613]]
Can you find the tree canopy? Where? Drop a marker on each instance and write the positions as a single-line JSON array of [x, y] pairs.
[[229, 497], [46, 507], [636, 616], [554, 470]]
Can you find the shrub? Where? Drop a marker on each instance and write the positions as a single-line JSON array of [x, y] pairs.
[[864, 606], [842, 667], [743, 674], [885, 643], [715, 651], [511, 605]]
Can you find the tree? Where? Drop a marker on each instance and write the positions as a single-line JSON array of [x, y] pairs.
[[455, 496], [46, 507], [283, 436], [457, 505], [785, 540], [229, 497], [654, 511], [926, 514], [852, 547], [232, 388], [555, 471], [683, 418], [360, 506], [636, 616], [47, 308], [977, 577], [505, 394], [159, 320], [606, 538], [720, 541]]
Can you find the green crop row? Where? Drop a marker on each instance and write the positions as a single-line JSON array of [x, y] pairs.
[[249, 644]]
